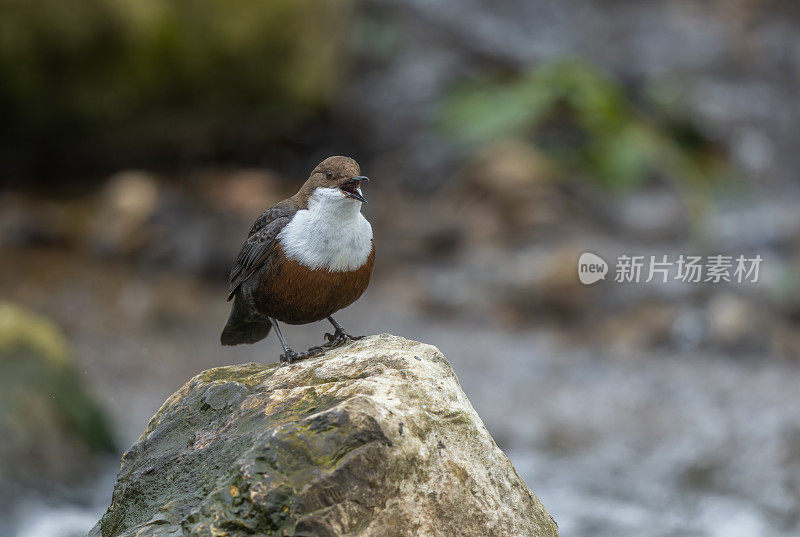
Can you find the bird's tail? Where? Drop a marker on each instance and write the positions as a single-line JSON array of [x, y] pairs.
[[239, 329]]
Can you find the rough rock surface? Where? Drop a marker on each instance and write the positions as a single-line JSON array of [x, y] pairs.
[[372, 439]]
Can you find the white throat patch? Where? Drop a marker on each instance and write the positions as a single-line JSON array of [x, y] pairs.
[[331, 234]]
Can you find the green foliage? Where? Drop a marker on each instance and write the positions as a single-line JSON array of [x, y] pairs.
[[585, 121], [40, 392], [148, 75], [81, 413]]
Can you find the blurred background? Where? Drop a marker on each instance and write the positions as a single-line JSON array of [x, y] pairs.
[[141, 138]]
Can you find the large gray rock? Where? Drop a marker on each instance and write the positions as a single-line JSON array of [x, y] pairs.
[[372, 439]]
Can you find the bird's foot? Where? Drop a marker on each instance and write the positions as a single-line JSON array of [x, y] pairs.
[[339, 338], [290, 357], [315, 351]]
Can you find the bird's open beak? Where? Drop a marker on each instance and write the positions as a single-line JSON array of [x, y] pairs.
[[352, 188]]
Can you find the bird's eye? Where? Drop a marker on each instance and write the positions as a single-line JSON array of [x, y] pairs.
[[329, 174]]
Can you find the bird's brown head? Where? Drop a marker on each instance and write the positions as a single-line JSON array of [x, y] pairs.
[[341, 174]]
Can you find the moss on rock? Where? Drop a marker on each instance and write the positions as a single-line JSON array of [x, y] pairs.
[[46, 415]]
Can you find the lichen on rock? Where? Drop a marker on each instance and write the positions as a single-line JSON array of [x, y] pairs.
[[372, 439]]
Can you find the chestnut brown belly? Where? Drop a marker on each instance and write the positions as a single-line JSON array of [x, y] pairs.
[[295, 294]]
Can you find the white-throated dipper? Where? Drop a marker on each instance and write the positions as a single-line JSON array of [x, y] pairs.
[[304, 259]]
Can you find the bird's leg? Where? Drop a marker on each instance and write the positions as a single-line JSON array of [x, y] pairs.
[[288, 356], [340, 336]]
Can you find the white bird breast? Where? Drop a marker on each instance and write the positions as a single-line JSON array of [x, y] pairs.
[[331, 233]]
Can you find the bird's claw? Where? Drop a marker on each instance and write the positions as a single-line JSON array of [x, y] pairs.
[[315, 351], [339, 338], [289, 357], [334, 338]]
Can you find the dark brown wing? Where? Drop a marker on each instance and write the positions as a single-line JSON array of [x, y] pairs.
[[259, 242]]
